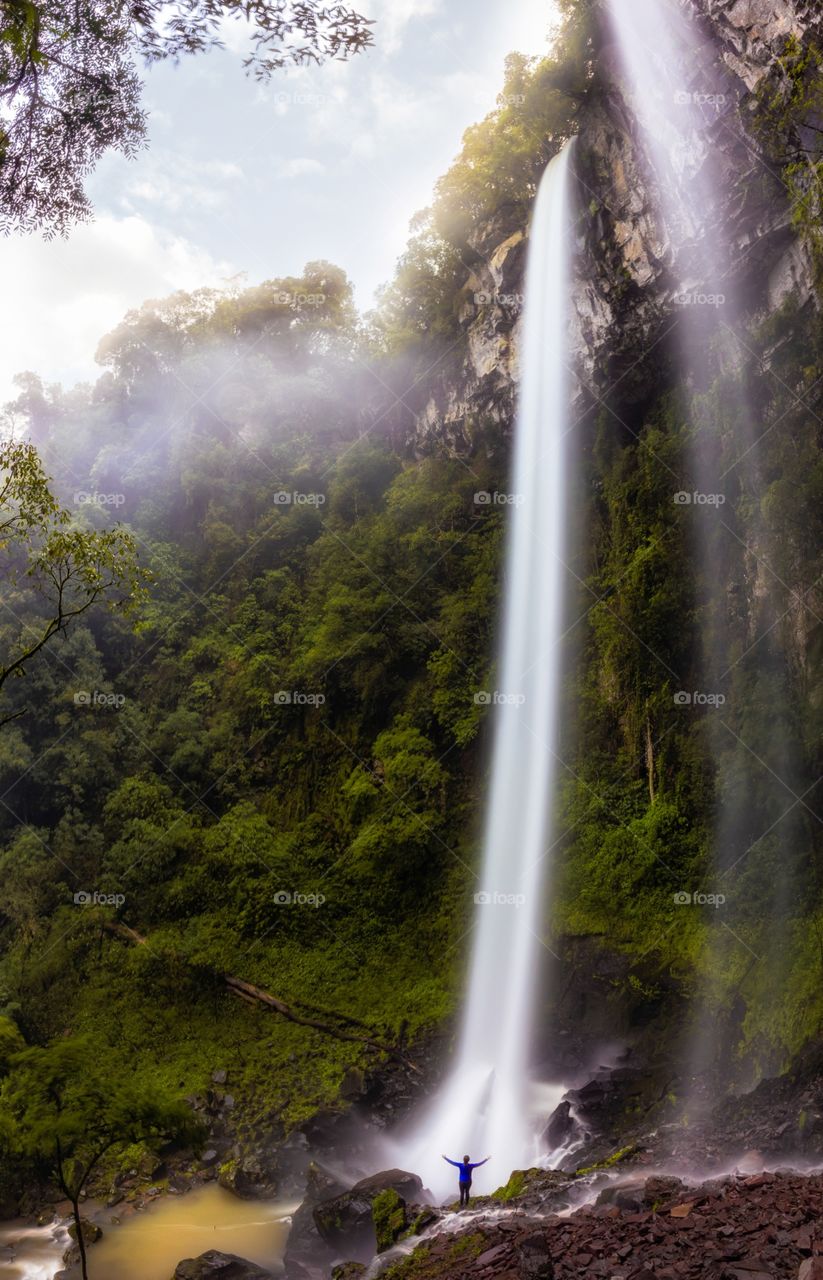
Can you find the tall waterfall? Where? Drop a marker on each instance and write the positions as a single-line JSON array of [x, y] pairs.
[[484, 1106], [674, 84]]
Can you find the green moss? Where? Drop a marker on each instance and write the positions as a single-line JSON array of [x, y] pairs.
[[438, 1261], [388, 1213], [514, 1187], [615, 1158]]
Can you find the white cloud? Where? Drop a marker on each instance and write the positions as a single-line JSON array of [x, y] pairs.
[[176, 183], [393, 17], [68, 293], [300, 166]]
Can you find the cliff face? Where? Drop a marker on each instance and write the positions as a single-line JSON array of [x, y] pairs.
[[636, 267]]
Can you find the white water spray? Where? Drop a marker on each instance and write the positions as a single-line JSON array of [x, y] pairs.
[[484, 1107]]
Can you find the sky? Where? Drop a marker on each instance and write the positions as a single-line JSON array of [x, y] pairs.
[[238, 177]]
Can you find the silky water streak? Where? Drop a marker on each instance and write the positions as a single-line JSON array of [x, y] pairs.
[[483, 1107]]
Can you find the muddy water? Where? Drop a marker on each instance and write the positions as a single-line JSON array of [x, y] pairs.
[[148, 1245]]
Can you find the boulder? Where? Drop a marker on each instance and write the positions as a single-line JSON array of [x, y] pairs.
[[661, 1189], [407, 1185], [214, 1265], [353, 1084], [348, 1271], [345, 1223], [91, 1234], [627, 1195], [560, 1127], [91, 1231], [305, 1248], [347, 1219], [252, 1176]]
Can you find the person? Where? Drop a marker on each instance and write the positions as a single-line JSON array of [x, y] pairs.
[[465, 1181]]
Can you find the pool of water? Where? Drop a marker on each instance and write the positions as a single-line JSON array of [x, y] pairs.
[[148, 1245]]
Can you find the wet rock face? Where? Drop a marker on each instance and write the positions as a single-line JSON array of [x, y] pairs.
[[481, 388], [751, 29]]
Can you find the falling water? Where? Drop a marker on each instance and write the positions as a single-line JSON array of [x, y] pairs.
[[484, 1107], [683, 101]]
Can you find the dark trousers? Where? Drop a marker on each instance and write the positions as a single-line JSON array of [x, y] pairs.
[[465, 1190]]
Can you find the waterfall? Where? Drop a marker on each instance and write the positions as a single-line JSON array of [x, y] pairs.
[[484, 1108], [679, 94]]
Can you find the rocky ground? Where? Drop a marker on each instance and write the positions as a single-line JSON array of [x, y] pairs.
[[760, 1227]]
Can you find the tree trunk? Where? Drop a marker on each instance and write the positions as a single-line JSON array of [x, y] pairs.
[[81, 1244], [650, 758]]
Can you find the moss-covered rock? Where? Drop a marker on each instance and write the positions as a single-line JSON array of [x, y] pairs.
[[389, 1216]]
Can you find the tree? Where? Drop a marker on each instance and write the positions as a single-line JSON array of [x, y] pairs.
[[62, 1109], [71, 568], [70, 87]]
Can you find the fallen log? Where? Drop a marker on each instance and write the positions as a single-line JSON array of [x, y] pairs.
[[257, 995]]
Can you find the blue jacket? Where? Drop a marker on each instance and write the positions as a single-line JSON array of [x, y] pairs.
[[465, 1169]]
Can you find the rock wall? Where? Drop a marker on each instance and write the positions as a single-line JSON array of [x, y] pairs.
[[635, 265]]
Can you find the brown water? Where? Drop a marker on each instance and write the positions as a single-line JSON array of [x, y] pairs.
[[148, 1245]]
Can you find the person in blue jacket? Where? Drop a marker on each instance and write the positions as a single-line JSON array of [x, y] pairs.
[[466, 1168]]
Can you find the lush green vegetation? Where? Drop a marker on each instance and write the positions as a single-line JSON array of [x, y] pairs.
[[183, 783], [63, 1112]]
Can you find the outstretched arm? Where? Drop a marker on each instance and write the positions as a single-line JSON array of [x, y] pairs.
[[477, 1166], [456, 1163]]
